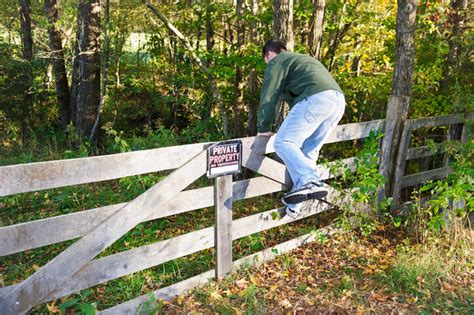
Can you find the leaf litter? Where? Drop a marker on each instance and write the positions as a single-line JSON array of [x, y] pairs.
[[344, 275]]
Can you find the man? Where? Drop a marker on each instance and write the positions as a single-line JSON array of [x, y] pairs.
[[316, 106]]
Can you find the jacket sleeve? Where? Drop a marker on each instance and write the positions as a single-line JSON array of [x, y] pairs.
[[273, 81]]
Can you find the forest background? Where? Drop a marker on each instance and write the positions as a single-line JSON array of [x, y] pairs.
[[83, 78], [150, 86]]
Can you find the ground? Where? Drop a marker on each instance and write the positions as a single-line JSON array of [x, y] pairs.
[[379, 273]]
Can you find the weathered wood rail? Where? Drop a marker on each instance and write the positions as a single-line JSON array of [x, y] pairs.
[[76, 269], [406, 153]]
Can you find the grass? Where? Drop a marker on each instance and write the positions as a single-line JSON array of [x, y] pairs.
[[379, 273]]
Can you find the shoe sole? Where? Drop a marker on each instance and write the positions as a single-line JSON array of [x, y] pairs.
[[297, 198]]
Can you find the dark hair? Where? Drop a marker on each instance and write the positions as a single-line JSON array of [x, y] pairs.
[[274, 45]]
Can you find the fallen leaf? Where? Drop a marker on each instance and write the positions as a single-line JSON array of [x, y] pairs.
[[242, 284], [447, 286], [285, 303]]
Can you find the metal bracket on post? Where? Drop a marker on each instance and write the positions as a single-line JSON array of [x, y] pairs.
[[223, 230]]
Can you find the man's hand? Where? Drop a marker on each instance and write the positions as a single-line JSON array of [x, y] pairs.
[[260, 142], [265, 134]]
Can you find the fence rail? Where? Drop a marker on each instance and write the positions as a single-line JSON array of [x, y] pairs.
[[406, 153], [98, 228], [74, 269]]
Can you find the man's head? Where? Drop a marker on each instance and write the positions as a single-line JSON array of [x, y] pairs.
[[272, 48]]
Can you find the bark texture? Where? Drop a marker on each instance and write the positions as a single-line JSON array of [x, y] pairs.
[[283, 30], [57, 60], [405, 48], [85, 92], [283, 22], [316, 28], [458, 18], [253, 99], [240, 129]]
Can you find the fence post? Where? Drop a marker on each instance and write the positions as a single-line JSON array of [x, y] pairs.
[[223, 230], [397, 112], [400, 164]]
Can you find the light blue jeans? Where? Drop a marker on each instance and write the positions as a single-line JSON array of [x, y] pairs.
[[304, 131]]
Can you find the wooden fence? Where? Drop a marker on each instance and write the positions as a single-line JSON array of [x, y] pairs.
[[76, 269], [406, 153]]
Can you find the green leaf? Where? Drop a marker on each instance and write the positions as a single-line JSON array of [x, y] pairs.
[[88, 309], [67, 304]]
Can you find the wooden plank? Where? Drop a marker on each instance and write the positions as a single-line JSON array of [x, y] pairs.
[[418, 178], [436, 121], [400, 163], [53, 174], [424, 151], [223, 227], [168, 293], [355, 131], [29, 235], [134, 260], [57, 273]]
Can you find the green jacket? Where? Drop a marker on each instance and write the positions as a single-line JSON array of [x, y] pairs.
[[292, 76]]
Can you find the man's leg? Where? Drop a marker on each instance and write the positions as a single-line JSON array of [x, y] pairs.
[[312, 188], [313, 144]]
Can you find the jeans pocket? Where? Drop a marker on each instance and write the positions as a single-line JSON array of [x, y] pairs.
[[318, 111]]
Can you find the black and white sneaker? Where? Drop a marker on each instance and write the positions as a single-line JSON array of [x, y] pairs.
[[308, 191]]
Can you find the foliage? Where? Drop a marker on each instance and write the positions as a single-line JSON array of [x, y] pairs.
[[450, 200], [358, 187]]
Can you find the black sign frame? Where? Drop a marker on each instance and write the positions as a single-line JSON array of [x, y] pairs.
[[211, 152]]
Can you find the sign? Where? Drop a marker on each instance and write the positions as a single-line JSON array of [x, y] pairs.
[[224, 158]]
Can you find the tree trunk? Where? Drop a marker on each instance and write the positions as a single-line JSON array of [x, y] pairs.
[[26, 37], [239, 76], [453, 58], [105, 63], [209, 32], [57, 59], [283, 22], [187, 45], [316, 28], [253, 100], [342, 30], [27, 55], [283, 30], [85, 93], [399, 102], [405, 48]]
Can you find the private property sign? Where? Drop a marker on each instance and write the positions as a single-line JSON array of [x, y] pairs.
[[224, 158]]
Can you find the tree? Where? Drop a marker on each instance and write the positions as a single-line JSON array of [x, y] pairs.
[[283, 22], [253, 99], [405, 48], [239, 76], [458, 18], [213, 86], [105, 62], [316, 28], [27, 55], [399, 102], [57, 60], [85, 92], [341, 32], [283, 30]]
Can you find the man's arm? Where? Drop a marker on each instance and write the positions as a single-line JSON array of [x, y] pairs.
[[273, 81]]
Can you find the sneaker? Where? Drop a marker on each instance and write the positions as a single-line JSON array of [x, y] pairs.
[[292, 213], [308, 191]]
